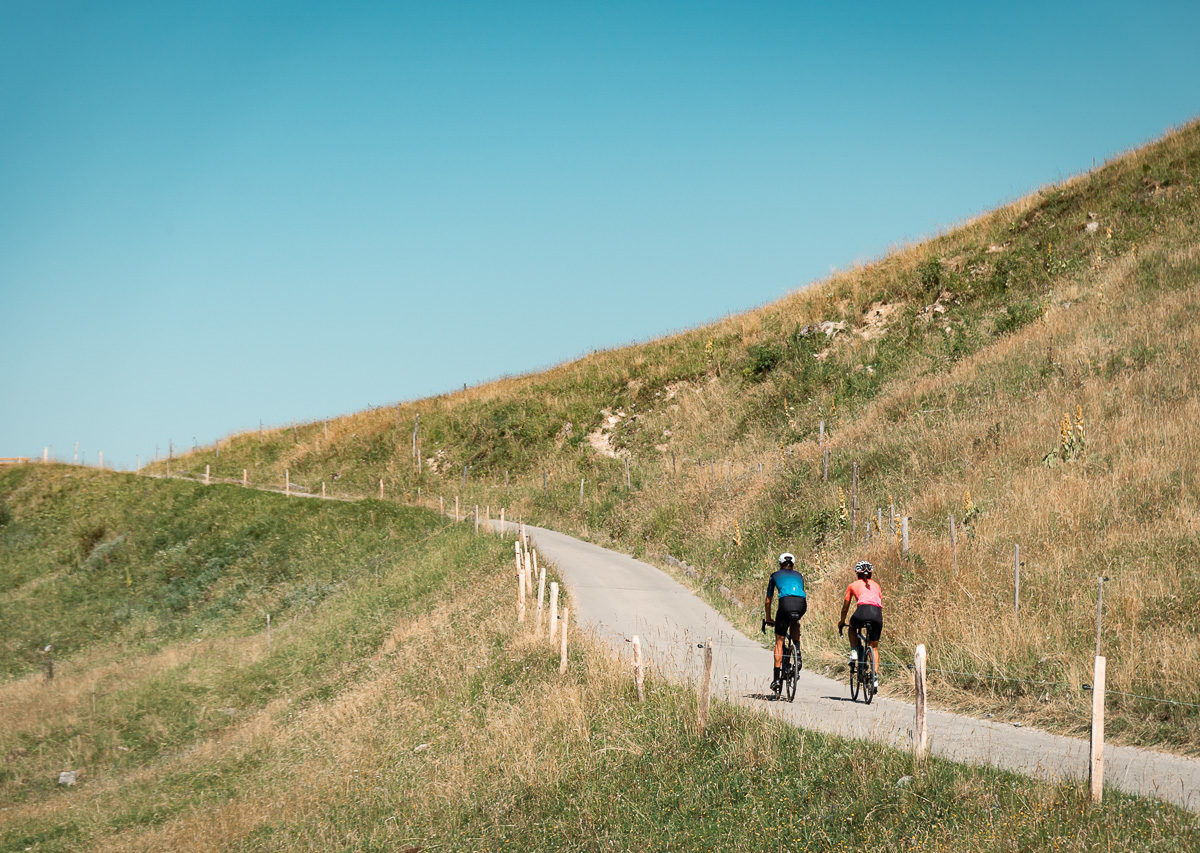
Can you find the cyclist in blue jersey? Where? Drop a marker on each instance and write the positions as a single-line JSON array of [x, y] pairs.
[[792, 605]]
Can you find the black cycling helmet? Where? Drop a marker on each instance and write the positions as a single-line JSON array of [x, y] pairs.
[[787, 557], [863, 569]]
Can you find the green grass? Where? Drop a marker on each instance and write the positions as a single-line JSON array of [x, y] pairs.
[[334, 576], [86, 558]]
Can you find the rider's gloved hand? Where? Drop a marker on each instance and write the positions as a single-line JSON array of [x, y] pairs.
[[841, 628]]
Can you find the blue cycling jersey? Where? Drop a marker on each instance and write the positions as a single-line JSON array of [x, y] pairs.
[[787, 581]]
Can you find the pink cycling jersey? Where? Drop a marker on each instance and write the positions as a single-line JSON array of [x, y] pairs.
[[869, 594]]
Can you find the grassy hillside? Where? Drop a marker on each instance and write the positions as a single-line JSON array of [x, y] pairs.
[[944, 370], [380, 718], [153, 597]]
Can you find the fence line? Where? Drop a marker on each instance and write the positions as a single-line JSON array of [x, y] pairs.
[[907, 667], [998, 550]]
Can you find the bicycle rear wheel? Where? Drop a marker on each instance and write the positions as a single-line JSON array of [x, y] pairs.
[[855, 682], [867, 671]]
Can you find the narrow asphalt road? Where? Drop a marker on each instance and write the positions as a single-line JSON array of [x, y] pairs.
[[616, 596]]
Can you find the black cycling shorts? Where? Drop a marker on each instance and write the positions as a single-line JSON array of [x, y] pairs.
[[870, 616], [789, 605]]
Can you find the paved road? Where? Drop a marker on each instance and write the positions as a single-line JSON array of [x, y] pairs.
[[617, 596]]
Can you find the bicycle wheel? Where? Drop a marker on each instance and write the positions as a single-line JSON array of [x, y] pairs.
[[855, 682], [793, 675], [868, 676]]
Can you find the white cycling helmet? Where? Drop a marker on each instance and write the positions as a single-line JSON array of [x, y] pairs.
[[863, 569], [787, 557]]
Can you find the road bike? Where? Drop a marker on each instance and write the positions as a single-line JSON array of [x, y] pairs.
[[862, 670], [792, 663]]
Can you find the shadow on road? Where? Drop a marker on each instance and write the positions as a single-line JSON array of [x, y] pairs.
[[767, 697]]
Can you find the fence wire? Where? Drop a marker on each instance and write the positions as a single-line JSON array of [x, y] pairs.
[[908, 667]]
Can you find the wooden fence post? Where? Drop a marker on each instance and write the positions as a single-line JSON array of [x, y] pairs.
[[581, 491], [476, 519], [1096, 766], [520, 589], [705, 687], [381, 488], [101, 460], [244, 479], [206, 475], [529, 571], [904, 535], [562, 654], [639, 674], [1099, 612], [627, 481], [920, 728], [322, 488], [537, 624], [501, 530], [287, 482], [553, 611]]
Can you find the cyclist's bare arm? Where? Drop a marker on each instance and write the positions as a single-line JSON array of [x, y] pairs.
[[845, 610], [767, 610]]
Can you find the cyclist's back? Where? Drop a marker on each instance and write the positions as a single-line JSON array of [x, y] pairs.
[[787, 581]]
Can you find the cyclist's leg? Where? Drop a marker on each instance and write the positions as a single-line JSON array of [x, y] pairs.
[[778, 650], [874, 631], [798, 614], [855, 624]]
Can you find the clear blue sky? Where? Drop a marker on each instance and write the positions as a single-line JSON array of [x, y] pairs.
[[212, 213]]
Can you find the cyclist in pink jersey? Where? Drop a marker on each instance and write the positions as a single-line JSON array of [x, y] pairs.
[[868, 613]]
